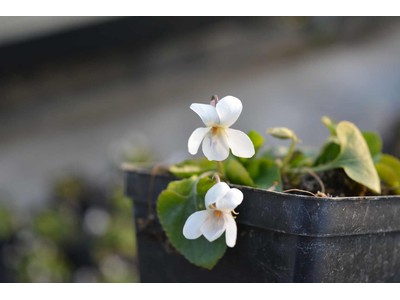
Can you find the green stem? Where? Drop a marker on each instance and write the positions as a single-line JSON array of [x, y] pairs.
[[316, 169], [290, 153], [323, 168], [220, 168]]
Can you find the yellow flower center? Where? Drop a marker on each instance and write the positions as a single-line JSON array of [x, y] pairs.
[[218, 214], [215, 129]]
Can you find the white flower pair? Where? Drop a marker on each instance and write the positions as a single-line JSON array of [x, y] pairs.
[[217, 138]]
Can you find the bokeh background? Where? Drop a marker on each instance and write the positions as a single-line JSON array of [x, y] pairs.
[[81, 95]]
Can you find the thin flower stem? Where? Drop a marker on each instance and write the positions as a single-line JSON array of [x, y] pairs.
[[220, 168], [216, 178], [290, 153]]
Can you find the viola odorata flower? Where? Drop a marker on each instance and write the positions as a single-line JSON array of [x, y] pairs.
[[220, 202], [217, 137]]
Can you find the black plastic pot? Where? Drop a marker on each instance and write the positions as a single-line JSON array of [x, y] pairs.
[[281, 238]]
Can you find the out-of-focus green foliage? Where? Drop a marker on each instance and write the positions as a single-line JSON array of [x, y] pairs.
[[69, 188], [55, 225], [45, 262], [83, 237], [7, 223]]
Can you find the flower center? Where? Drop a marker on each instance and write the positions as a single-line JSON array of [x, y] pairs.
[[218, 214], [215, 129]]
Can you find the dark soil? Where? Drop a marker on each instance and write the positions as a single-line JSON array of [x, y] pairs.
[[336, 182]]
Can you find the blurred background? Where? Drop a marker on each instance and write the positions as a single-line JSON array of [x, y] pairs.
[[80, 95]]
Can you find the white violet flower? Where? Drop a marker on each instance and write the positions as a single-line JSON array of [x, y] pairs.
[[217, 137], [220, 201]]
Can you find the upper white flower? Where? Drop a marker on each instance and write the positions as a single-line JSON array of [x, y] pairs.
[[217, 137], [220, 200]]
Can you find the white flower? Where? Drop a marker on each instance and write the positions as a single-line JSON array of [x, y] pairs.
[[220, 200], [217, 137]]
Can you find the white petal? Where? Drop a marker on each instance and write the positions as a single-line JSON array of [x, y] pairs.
[[215, 146], [207, 113], [231, 200], [214, 227], [191, 229], [196, 138], [228, 109], [216, 192], [231, 230], [240, 143]]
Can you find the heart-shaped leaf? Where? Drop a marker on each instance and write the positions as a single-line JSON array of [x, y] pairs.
[[174, 206], [355, 157]]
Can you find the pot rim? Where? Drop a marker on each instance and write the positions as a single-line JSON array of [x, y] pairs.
[[146, 168], [300, 215]]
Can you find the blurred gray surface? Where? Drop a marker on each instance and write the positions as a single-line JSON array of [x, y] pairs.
[[13, 29], [93, 105]]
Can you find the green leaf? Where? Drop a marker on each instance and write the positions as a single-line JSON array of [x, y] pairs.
[[354, 157], [330, 123], [256, 138], [374, 143], [189, 168], [268, 174], [253, 167], [388, 167], [387, 174], [329, 152], [173, 210], [392, 162], [183, 187], [237, 173], [299, 160], [258, 141]]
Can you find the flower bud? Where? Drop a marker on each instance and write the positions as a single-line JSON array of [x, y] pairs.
[[330, 124], [281, 133], [214, 100]]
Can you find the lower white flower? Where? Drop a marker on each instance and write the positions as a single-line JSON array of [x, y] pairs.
[[220, 201]]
